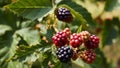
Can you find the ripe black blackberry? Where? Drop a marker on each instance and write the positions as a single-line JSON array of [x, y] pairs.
[[92, 43], [64, 53], [88, 56], [63, 14], [75, 40]]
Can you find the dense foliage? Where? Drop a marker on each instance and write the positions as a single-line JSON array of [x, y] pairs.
[[28, 26]]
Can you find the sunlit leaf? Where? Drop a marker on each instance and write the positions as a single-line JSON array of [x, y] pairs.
[[112, 5], [31, 9], [31, 36], [8, 47], [4, 28]]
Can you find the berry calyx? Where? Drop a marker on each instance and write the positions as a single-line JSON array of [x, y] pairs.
[[88, 56], [85, 35], [64, 53], [75, 40], [92, 43], [64, 14]]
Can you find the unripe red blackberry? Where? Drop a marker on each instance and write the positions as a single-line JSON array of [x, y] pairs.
[[64, 53], [92, 43], [60, 39], [67, 31], [75, 40], [88, 56], [85, 35], [64, 14]]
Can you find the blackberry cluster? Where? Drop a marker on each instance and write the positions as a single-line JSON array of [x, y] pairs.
[[75, 40], [92, 43], [63, 14], [88, 56], [64, 53]]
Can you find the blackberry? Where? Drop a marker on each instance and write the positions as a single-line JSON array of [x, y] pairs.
[[63, 14], [88, 56], [67, 31], [60, 39], [85, 35], [64, 53], [92, 43], [75, 40]]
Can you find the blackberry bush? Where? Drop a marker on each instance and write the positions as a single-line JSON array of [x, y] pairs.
[[64, 53], [64, 14], [28, 33]]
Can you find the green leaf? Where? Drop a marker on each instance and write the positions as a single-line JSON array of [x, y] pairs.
[[43, 29], [66, 65], [31, 36], [25, 52], [29, 54], [63, 65], [4, 2], [112, 4], [110, 32], [57, 1], [8, 40], [79, 29], [28, 23], [8, 46], [9, 19], [4, 28], [58, 65], [31, 9], [80, 63], [50, 33], [45, 56]]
